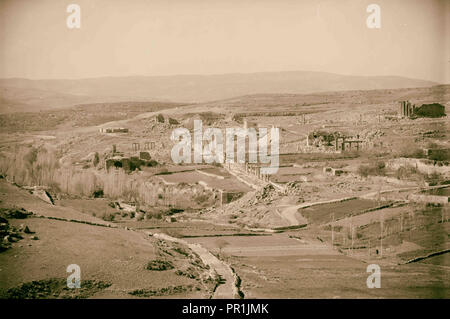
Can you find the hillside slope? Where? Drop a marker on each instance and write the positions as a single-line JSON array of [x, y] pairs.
[[187, 88]]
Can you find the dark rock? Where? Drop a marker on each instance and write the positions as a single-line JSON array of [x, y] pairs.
[[16, 236], [16, 213]]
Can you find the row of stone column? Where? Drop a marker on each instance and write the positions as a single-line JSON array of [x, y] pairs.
[[406, 108]]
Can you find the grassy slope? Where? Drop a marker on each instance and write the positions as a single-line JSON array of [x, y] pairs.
[[113, 255]]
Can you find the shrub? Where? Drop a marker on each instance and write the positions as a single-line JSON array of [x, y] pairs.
[[98, 193], [109, 217], [159, 265], [136, 163], [157, 215], [174, 211], [181, 251], [152, 163], [440, 155], [377, 168]]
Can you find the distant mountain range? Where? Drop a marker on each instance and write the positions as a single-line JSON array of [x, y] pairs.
[[18, 94]]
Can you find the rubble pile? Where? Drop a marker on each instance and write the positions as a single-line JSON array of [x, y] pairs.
[[159, 123], [293, 188], [371, 134], [266, 194]]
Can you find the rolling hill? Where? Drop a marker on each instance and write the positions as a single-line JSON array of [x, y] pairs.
[[29, 95]]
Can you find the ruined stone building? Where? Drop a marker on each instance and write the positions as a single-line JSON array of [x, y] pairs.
[[406, 109]]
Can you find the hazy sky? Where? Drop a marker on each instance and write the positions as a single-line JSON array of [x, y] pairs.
[[164, 37]]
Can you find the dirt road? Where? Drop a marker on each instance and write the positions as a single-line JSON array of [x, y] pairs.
[[290, 215], [227, 289]]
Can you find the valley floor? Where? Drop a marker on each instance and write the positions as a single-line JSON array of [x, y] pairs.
[[112, 258]]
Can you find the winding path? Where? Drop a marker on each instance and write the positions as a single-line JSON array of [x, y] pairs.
[[289, 213], [225, 290]]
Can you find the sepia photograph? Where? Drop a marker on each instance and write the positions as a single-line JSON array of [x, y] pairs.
[[241, 150]]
